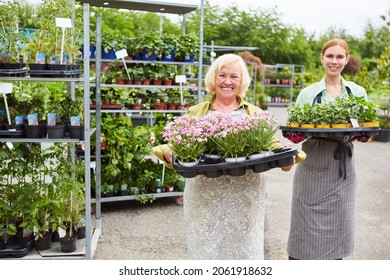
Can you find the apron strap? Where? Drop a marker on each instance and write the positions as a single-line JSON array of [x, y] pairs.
[[318, 98]]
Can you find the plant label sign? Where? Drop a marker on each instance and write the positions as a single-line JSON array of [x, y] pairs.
[[354, 122], [121, 54], [63, 22], [5, 88], [180, 79]]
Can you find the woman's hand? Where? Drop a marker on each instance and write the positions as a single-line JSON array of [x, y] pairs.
[[288, 167], [168, 155]]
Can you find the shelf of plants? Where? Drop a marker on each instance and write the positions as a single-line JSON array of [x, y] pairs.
[[132, 79], [23, 238], [266, 161], [281, 77]]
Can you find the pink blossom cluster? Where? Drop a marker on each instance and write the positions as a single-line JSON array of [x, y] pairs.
[[226, 135]]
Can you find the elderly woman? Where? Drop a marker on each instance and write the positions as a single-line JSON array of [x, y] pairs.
[[224, 215]]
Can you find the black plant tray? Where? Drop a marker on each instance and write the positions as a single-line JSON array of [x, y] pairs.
[[55, 73], [275, 158], [12, 133], [330, 132], [14, 66], [13, 72], [16, 250]]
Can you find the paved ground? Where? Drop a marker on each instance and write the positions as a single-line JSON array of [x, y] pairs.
[[157, 231]]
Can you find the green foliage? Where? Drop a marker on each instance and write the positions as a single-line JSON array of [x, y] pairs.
[[340, 111], [384, 65]]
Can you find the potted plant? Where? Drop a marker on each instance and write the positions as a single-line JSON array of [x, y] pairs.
[[70, 188], [169, 74], [151, 44], [169, 44], [188, 46], [262, 101], [10, 38], [112, 42], [138, 74], [384, 121], [322, 116], [157, 74], [186, 140], [262, 127], [45, 207]]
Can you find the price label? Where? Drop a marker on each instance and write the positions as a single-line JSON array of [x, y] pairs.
[[121, 54], [180, 79], [63, 22]]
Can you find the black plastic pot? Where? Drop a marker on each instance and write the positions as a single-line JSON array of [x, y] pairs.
[[55, 237], [43, 243], [383, 135], [68, 245], [35, 131], [81, 232], [55, 131], [76, 132]]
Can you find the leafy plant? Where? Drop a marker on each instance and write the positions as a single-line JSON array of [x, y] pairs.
[[188, 44]]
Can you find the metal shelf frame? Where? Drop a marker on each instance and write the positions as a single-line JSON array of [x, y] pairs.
[[145, 6], [293, 68]]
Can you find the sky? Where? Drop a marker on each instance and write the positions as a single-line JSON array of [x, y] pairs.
[[317, 15], [314, 16]]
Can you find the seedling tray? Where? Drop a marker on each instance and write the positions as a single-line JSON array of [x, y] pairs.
[[13, 72], [55, 73], [12, 133], [275, 158], [9, 66], [330, 132], [15, 250]]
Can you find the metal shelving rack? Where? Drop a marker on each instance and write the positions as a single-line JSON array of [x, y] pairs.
[[150, 6], [293, 68], [92, 234]]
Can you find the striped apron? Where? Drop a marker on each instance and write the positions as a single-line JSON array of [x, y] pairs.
[[323, 202]]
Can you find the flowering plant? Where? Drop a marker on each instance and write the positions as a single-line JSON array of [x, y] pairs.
[[262, 128], [231, 137], [186, 137], [228, 136]]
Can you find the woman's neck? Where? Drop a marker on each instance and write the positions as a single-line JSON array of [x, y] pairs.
[[225, 105], [334, 87]]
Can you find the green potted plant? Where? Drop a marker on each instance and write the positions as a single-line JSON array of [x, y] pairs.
[[10, 38], [151, 46], [169, 74], [112, 42], [322, 115], [170, 42], [188, 46]]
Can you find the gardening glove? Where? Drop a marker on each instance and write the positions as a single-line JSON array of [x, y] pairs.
[[301, 156], [162, 150]]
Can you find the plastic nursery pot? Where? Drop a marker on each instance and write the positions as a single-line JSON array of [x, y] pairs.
[[76, 132], [43, 243], [35, 131], [81, 232], [55, 131], [68, 245]]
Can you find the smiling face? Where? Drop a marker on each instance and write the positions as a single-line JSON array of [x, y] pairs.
[[228, 80], [334, 60]]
